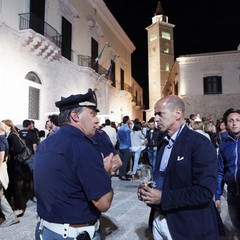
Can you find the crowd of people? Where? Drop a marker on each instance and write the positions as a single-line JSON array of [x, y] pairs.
[[17, 181], [191, 160]]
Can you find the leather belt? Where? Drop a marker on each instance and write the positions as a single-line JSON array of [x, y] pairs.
[[69, 231], [83, 224]]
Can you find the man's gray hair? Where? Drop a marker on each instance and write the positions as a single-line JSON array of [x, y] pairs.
[[174, 101], [64, 116]]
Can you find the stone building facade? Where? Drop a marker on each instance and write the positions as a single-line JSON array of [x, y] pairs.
[[208, 83], [54, 48]]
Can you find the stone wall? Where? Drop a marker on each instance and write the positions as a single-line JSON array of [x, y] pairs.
[[211, 105]]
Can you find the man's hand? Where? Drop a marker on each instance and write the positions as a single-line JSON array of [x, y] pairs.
[[112, 163], [218, 205], [149, 195], [116, 164], [107, 162]]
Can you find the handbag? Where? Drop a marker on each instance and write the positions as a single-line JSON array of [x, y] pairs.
[[25, 154]]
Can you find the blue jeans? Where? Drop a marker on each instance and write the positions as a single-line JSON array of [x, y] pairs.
[[234, 211], [50, 235], [152, 155], [137, 155], [125, 156]]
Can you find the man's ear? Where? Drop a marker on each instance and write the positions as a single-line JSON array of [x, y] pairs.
[[74, 116], [178, 113]]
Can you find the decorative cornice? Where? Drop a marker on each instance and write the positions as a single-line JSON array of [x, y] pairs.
[[94, 27], [208, 57], [67, 9], [161, 23], [107, 17]]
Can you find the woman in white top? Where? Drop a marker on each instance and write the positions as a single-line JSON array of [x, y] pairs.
[[198, 126], [137, 138]]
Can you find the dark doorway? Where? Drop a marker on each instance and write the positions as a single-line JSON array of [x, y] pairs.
[[37, 15], [94, 55], [122, 79], [112, 73], [66, 39]]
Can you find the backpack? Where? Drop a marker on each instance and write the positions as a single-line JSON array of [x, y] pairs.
[[25, 154]]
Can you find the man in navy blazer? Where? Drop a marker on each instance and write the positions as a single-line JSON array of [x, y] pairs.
[[184, 180]]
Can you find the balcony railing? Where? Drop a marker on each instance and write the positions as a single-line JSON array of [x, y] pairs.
[[29, 20], [87, 61]]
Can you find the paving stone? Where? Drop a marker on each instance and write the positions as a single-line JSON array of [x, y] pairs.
[[126, 219]]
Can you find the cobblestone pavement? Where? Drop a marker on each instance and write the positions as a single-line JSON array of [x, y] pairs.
[[125, 220]]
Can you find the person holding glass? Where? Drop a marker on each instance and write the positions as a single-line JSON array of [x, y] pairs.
[[184, 180]]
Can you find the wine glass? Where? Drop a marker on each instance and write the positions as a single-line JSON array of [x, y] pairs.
[[146, 174]]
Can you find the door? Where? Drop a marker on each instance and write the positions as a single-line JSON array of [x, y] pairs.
[[94, 55], [37, 15], [66, 39]]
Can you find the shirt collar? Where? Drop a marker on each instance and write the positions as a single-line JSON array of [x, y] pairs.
[[175, 135]]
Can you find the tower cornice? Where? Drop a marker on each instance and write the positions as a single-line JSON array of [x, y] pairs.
[[160, 23]]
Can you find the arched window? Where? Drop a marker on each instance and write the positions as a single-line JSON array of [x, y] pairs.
[[33, 96], [32, 76]]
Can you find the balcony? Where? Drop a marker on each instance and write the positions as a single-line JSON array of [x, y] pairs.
[[29, 20], [127, 88], [87, 61]]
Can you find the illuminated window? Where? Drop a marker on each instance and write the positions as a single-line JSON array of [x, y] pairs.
[[166, 48], [166, 35], [167, 67], [212, 85], [153, 37]]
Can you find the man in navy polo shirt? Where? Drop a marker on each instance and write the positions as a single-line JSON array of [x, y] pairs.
[[105, 145], [72, 180]]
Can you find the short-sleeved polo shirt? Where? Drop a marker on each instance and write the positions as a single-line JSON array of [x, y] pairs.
[[69, 174]]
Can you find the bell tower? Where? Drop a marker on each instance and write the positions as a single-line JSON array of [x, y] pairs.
[[160, 56]]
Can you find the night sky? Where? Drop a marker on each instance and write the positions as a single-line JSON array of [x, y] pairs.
[[201, 26]]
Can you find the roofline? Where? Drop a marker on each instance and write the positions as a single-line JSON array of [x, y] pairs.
[[112, 23], [210, 53]]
